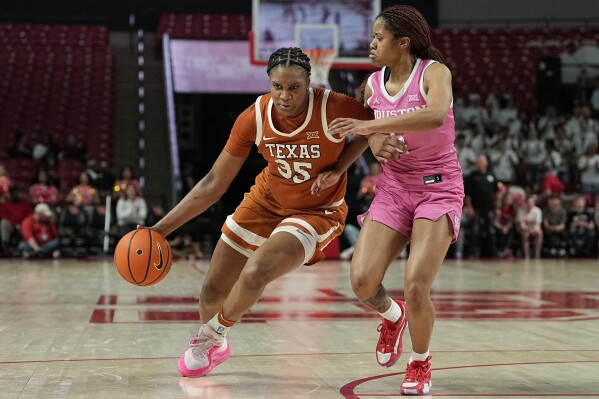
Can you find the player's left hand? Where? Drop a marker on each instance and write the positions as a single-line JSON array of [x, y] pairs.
[[324, 180], [347, 126]]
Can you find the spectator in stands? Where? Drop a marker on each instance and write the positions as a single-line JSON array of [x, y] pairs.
[[13, 211], [474, 112], [589, 128], [477, 138], [479, 207], [466, 156], [505, 216], [83, 198], [507, 112], [126, 177], [533, 154], [45, 152], [567, 151], [547, 123], [554, 227], [83, 194], [40, 235], [42, 190], [74, 149], [519, 125], [131, 210], [581, 229], [20, 148], [553, 159], [505, 162], [529, 220], [5, 182], [101, 177], [552, 185], [588, 165]]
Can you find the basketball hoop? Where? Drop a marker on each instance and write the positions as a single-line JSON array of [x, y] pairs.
[[321, 61]]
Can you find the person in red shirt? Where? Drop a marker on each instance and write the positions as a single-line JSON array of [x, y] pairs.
[[40, 235], [13, 210], [552, 184]]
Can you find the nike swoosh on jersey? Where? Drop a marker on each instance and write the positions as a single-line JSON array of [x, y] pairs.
[[268, 138]]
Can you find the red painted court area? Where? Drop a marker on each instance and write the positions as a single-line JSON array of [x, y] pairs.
[[328, 304]]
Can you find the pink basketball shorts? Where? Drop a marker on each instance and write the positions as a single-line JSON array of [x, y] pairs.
[[397, 209]]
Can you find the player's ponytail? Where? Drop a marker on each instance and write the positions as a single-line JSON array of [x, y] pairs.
[[289, 57], [406, 21]]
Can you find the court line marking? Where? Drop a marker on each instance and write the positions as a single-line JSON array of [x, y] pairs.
[[348, 389], [312, 354]]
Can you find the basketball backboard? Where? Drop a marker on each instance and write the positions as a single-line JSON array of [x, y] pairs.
[[345, 26]]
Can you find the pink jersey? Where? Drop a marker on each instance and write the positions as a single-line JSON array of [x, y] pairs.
[[432, 164]]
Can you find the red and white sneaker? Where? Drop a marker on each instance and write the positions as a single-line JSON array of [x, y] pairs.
[[418, 378], [206, 351], [389, 347]]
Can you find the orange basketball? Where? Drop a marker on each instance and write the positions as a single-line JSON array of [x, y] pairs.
[[143, 257]]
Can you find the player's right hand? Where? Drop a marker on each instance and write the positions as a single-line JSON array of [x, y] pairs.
[[324, 180], [387, 147]]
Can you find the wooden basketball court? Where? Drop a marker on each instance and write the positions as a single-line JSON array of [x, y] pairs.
[[76, 329]]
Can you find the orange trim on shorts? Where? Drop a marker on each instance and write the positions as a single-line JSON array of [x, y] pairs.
[[236, 239]]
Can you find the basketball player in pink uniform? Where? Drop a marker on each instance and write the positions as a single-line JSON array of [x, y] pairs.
[[418, 196], [278, 226]]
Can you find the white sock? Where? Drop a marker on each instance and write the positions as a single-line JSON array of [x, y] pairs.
[[393, 313], [419, 356], [217, 326]]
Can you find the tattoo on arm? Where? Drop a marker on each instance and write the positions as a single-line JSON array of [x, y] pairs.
[[379, 301]]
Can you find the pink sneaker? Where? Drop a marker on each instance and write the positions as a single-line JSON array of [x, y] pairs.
[[418, 378], [389, 347], [206, 351]]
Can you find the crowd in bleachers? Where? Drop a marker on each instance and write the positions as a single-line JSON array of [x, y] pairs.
[[72, 211]]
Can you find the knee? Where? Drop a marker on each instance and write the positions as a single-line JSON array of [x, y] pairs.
[[417, 293], [363, 286], [255, 276], [212, 294]]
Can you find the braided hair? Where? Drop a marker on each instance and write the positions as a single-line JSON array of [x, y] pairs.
[[289, 57], [406, 21]]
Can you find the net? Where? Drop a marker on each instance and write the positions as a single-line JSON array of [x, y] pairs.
[[321, 61]]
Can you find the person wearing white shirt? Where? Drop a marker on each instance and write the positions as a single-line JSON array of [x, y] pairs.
[[588, 165], [505, 162], [529, 220], [533, 152], [466, 157], [474, 112], [132, 209]]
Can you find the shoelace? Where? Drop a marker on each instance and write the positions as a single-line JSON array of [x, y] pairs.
[[416, 374], [386, 337], [203, 343]]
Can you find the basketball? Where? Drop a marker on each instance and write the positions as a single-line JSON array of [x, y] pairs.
[[143, 257]]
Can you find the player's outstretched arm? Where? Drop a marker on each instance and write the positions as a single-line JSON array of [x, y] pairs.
[[437, 84], [205, 193]]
